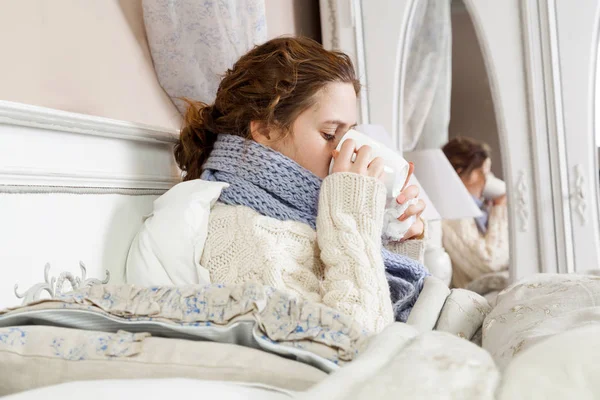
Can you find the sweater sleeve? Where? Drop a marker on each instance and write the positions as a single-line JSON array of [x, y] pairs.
[[473, 253], [349, 225], [412, 248]]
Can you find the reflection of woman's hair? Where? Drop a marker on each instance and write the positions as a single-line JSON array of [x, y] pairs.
[[273, 83], [466, 154]]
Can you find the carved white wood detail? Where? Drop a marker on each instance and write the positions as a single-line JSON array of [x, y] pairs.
[[19, 114], [55, 286], [578, 197], [94, 152], [522, 206]]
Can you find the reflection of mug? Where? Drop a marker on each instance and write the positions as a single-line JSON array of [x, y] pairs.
[[395, 167], [494, 187]]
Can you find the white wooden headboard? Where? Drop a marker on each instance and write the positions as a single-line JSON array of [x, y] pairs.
[[74, 188]]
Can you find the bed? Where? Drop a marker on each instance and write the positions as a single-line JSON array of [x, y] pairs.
[[73, 192]]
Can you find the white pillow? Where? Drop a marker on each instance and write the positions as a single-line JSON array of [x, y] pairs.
[[168, 247], [536, 308], [564, 366]]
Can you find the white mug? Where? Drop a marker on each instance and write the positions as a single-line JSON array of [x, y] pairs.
[[395, 167], [494, 187]]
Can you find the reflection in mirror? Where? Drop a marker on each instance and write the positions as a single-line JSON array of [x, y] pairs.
[[478, 246]]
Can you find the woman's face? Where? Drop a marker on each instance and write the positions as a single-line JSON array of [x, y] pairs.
[[475, 181], [317, 130]]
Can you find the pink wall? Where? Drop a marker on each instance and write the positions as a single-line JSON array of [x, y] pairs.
[[92, 57], [88, 57]]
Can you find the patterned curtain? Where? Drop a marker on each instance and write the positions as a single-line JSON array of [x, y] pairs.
[[193, 42], [428, 77]]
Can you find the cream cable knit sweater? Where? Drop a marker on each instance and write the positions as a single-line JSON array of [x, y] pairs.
[[341, 266], [472, 253]]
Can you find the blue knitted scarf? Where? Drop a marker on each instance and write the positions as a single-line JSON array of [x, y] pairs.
[[276, 186]]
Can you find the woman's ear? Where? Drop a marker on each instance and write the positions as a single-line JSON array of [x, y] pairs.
[[260, 132]]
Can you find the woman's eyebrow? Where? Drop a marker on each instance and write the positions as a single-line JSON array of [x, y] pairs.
[[338, 122]]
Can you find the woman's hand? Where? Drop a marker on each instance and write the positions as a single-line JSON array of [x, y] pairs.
[[500, 201], [343, 163], [409, 193], [362, 165]]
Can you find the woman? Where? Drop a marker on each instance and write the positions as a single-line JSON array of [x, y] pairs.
[[283, 221], [476, 246]]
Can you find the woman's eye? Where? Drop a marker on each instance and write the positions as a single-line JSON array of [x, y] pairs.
[[329, 137]]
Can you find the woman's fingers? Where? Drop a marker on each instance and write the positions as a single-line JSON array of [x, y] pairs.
[[363, 158], [343, 158], [363, 163], [376, 168], [415, 230], [411, 192], [413, 210], [411, 168]]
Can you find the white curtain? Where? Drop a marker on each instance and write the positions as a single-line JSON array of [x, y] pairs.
[[428, 77], [193, 42]]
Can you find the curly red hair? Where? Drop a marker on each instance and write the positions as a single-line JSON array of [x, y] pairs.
[[273, 83]]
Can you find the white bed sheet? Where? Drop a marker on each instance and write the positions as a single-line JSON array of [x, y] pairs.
[[154, 389]]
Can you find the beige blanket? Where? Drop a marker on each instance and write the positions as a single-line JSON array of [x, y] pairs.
[[544, 326], [251, 315]]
